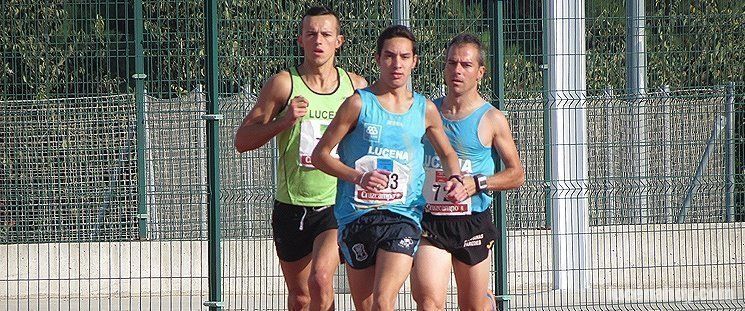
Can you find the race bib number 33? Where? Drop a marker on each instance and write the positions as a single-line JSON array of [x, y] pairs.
[[398, 180]]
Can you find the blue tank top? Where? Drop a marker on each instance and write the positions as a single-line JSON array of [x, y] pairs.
[[474, 158], [387, 141]]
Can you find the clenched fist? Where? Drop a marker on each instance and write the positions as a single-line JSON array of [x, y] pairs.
[[296, 109]]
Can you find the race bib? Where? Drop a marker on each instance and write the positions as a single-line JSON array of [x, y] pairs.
[[434, 192], [311, 131], [394, 192]]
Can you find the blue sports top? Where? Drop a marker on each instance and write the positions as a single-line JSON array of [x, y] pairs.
[[474, 158], [386, 141]]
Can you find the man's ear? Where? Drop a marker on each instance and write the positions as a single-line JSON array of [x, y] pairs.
[[339, 41]]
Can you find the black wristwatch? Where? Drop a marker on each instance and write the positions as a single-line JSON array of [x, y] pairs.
[[480, 182]]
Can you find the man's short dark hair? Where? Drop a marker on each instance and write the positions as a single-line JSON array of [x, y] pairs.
[[320, 11], [395, 31], [463, 39]]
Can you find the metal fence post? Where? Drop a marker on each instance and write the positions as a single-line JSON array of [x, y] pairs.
[[401, 16], [501, 288], [139, 77], [546, 120], [567, 92], [610, 179], [668, 137], [213, 157], [729, 148], [636, 83]]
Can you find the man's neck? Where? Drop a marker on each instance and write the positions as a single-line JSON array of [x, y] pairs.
[[460, 105], [394, 99], [320, 78]]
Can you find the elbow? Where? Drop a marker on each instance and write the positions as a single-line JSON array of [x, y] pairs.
[[317, 159], [519, 177], [240, 147]]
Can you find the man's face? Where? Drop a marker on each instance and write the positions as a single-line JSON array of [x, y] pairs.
[[320, 38], [396, 61], [462, 69]]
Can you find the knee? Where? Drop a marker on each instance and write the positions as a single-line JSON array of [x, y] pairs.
[[428, 302], [380, 303], [320, 281], [471, 305], [299, 301]]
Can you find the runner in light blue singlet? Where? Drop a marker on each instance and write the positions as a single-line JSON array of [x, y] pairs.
[[386, 141]]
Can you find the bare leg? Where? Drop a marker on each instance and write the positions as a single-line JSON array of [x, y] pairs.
[[361, 286], [473, 284], [296, 275], [430, 276], [324, 264], [390, 274]]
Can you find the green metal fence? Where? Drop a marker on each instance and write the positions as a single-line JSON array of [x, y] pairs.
[[105, 167]]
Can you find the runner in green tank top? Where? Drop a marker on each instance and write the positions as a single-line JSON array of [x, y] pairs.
[[296, 106]]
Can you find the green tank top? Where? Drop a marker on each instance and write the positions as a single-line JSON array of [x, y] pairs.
[[298, 182]]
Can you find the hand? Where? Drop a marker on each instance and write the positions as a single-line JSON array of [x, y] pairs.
[[373, 181], [470, 185], [456, 191], [296, 109]]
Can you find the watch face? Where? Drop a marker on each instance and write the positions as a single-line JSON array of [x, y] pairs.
[[482, 182]]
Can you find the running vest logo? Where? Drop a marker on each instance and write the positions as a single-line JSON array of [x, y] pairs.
[[474, 241], [321, 114], [394, 123], [434, 162], [389, 153], [359, 252], [373, 132]]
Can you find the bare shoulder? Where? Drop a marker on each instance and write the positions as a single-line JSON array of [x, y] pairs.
[[352, 103], [357, 81], [494, 115], [280, 82], [274, 95], [432, 115], [430, 105]]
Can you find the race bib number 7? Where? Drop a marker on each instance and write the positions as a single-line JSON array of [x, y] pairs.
[[393, 193], [434, 192], [311, 131]]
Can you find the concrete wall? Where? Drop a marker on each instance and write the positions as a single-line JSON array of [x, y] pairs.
[[634, 260]]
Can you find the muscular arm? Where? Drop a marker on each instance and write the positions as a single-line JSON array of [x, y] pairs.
[[261, 124], [344, 121], [445, 151], [500, 137]]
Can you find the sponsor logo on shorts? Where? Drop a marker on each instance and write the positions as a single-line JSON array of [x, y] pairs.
[[406, 242], [359, 252], [474, 241], [372, 132]]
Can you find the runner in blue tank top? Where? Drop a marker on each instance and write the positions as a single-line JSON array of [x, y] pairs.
[[460, 235], [379, 204]]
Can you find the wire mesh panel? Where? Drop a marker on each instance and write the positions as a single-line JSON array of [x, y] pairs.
[[68, 170], [682, 248]]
